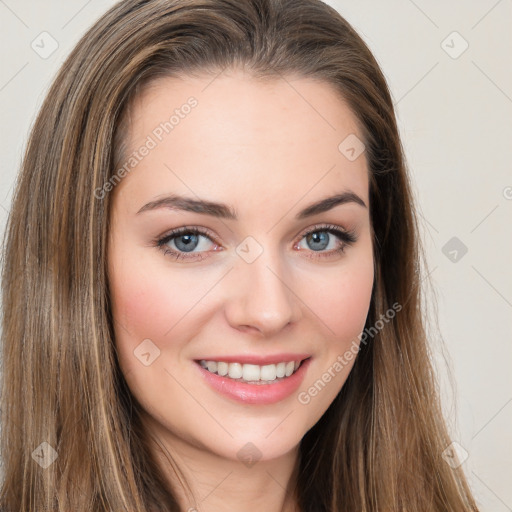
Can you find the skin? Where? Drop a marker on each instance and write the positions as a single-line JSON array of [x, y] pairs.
[[267, 149]]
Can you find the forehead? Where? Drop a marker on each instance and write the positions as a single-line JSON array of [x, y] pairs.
[[243, 135]]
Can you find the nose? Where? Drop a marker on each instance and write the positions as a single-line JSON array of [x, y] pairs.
[[261, 297]]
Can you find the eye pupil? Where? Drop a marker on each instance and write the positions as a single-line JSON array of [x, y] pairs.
[[188, 243], [319, 237]]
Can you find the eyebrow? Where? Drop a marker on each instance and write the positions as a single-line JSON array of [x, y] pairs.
[[223, 211]]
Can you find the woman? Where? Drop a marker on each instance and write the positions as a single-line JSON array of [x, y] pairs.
[[211, 278]]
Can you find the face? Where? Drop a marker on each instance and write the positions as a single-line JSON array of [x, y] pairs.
[[217, 258]]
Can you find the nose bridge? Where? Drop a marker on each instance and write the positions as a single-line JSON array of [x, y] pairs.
[[262, 295]]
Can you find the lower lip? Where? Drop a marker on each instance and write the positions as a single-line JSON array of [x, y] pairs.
[[256, 393]]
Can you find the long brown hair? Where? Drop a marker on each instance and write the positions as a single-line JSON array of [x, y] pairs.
[[379, 445]]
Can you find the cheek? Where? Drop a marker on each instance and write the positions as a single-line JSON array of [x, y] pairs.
[[147, 304], [350, 301], [342, 306], [341, 298]]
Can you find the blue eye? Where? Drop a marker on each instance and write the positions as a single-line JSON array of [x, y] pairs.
[[319, 238], [187, 240]]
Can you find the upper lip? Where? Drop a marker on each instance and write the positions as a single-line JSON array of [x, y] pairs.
[[259, 360]]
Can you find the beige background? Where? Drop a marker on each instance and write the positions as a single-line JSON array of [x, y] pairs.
[[454, 106]]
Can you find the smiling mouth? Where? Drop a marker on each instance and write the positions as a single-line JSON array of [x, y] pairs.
[[252, 373]]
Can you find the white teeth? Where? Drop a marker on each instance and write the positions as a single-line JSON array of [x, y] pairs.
[[251, 372], [268, 372], [235, 370], [222, 368]]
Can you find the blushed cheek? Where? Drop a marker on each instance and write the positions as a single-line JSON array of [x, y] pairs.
[[146, 305], [344, 305]]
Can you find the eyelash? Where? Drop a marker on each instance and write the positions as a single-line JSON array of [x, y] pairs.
[[347, 238]]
